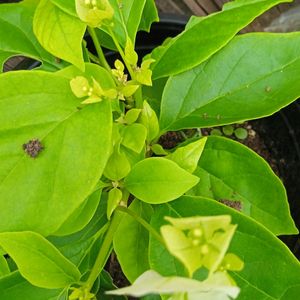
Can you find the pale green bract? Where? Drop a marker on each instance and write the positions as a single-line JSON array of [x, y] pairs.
[[217, 287]]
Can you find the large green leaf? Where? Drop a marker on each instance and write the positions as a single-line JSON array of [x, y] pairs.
[[270, 271], [15, 287], [206, 37], [16, 33], [132, 249], [250, 78], [38, 260], [149, 16], [40, 105], [158, 180], [59, 33], [231, 171], [74, 247]]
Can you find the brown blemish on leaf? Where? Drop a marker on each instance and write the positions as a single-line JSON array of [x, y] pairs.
[[33, 148], [233, 204]]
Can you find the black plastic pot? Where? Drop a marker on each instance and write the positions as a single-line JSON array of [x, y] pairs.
[[281, 132]]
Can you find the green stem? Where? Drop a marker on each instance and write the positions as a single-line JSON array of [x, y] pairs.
[[100, 53], [104, 251], [128, 66], [139, 98], [145, 224], [94, 58]]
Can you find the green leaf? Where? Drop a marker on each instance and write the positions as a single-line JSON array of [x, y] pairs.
[[131, 13], [159, 150], [45, 108], [114, 198], [218, 287], [230, 94], [130, 55], [67, 6], [53, 27], [4, 268], [134, 137], [132, 115], [187, 50], [132, 249], [158, 180], [76, 247], [187, 157], [231, 171], [117, 167], [81, 216], [38, 260], [15, 18], [258, 247], [150, 15], [15, 287], [149, 119], [126, 20]]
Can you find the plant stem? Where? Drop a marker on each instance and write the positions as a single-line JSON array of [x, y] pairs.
[[100, 53], [128, 66], [139, 98], [104, 251], [142, 222], [94, 58]]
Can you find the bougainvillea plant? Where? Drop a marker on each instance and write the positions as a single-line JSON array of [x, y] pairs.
[[83, 172]]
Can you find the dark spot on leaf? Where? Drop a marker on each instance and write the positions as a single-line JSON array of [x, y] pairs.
[[233, 204], [268, 89], [33, 148], [57, 60]]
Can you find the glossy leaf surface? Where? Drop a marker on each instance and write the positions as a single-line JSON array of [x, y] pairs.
[[150, 15], [257, 246], [4, 268], [52, 26], [230, 171], [187, 157], [17, 37], [81, 216], [15, 287], [202, 40], [66, 5], [219, 91], [44, 108], [38, 260], [132, 249], [158, 180]]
